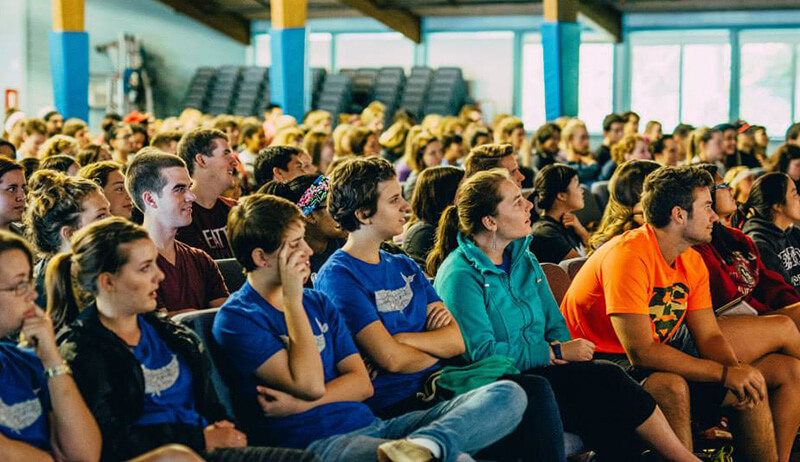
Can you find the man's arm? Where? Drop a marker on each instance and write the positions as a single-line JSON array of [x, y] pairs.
[[635, 335], [708, 337]]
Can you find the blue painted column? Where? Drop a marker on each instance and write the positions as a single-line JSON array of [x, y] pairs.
[[561, 42], [69, 66], [288, 76], [69, 59]]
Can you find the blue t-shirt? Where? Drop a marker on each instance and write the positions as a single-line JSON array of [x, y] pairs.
[[168, 391], [394, 292], [251, 331], [506, 265], [24, 397]]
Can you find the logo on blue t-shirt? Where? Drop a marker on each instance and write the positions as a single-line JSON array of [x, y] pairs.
[[19, 416], [387, 301], [318, 339], [161, 379]]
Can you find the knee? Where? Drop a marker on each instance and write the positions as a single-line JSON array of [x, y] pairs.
[[668, 388], [784, 327], [171, 453], [790, 373], [511, 396]]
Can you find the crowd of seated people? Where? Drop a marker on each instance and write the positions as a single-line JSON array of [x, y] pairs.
[[395, 303]]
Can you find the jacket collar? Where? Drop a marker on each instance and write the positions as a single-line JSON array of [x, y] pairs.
[[481, 261]]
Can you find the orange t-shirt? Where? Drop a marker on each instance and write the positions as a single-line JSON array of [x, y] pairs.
[[629, 275]]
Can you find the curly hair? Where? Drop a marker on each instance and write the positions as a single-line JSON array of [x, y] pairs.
[[54, 201], [625, 147], [59, 144]]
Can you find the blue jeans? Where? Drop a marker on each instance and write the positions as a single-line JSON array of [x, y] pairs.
[[461, 426]]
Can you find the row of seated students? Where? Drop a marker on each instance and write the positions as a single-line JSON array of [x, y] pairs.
[[396, 291]]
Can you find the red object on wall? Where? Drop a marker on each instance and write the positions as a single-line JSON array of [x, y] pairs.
[[12, 99]]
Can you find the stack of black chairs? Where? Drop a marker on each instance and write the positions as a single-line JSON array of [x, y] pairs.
[[197, 93], [335, 96], [223, 90], [416, 90], [388, 89], [447, 92], [253, 92]]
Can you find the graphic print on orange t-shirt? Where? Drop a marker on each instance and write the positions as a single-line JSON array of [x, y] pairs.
[[667, 308]]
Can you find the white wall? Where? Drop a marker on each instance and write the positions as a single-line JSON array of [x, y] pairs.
[[175, 44]]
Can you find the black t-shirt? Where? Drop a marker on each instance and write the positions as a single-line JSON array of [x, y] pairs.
[[552, 241], [418, 240], [319, 259], [602, 154]]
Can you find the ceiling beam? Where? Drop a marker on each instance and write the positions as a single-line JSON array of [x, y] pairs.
[[232, 25], [603, 17], [402, 21]]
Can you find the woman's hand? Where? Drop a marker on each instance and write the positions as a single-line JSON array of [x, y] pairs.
[[223, 434], [37, 329], [577, 350], [569, 220], [438, 316], [276, 403]]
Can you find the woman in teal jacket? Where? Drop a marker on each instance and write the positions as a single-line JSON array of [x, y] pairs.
[[500, 297]]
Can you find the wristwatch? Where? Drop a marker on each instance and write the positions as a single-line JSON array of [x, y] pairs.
[[61, 369], [556, 350]]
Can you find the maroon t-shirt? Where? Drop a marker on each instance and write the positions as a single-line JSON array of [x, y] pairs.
[[208, 231], [764, 289], [192, 282]]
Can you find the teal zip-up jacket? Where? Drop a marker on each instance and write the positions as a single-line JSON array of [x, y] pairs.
[[511, 314]]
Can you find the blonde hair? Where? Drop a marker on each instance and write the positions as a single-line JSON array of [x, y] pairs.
[[338, 137], [505, 127], [287, 137], [59, 144], [433, 123], [625, 146], [569, 131], [417, 150]]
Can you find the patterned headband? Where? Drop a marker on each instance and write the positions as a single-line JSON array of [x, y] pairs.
[[314, 196]]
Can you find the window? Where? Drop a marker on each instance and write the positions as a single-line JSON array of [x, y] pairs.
[[596, 87], [681, 77], [319, 50], [486, 60], [373, 50], [532, 84]]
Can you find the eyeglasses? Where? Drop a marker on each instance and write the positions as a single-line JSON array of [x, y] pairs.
[[20, 289], [720, 186]]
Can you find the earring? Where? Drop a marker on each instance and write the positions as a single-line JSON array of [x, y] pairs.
[[494, 241]]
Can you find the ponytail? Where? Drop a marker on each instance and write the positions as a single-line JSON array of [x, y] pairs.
[[446, 240], [61, 304]]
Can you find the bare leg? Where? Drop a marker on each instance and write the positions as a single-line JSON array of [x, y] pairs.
[[671, 392], [753, 433], [754, 337], [657, 432], [169, 453], [782, 374]]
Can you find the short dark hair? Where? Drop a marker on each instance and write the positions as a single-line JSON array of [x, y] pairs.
[[628, 114], [248, 130], [5, 142], [486, 157], [610, 120], [354, 186], [793, 132], [670, 187], [259, 221], [550, 181], [30, 165], [451, 138], [144, 173], [271, 157], [59, 163], [9, 165], [657, 146], [682, 130], [291, 190], [198, 141]]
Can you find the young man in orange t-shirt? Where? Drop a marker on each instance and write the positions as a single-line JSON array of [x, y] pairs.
[[643, 298]]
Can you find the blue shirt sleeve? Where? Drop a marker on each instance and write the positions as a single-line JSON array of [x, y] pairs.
[[248, 341], [343, 344], [348, 296]]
